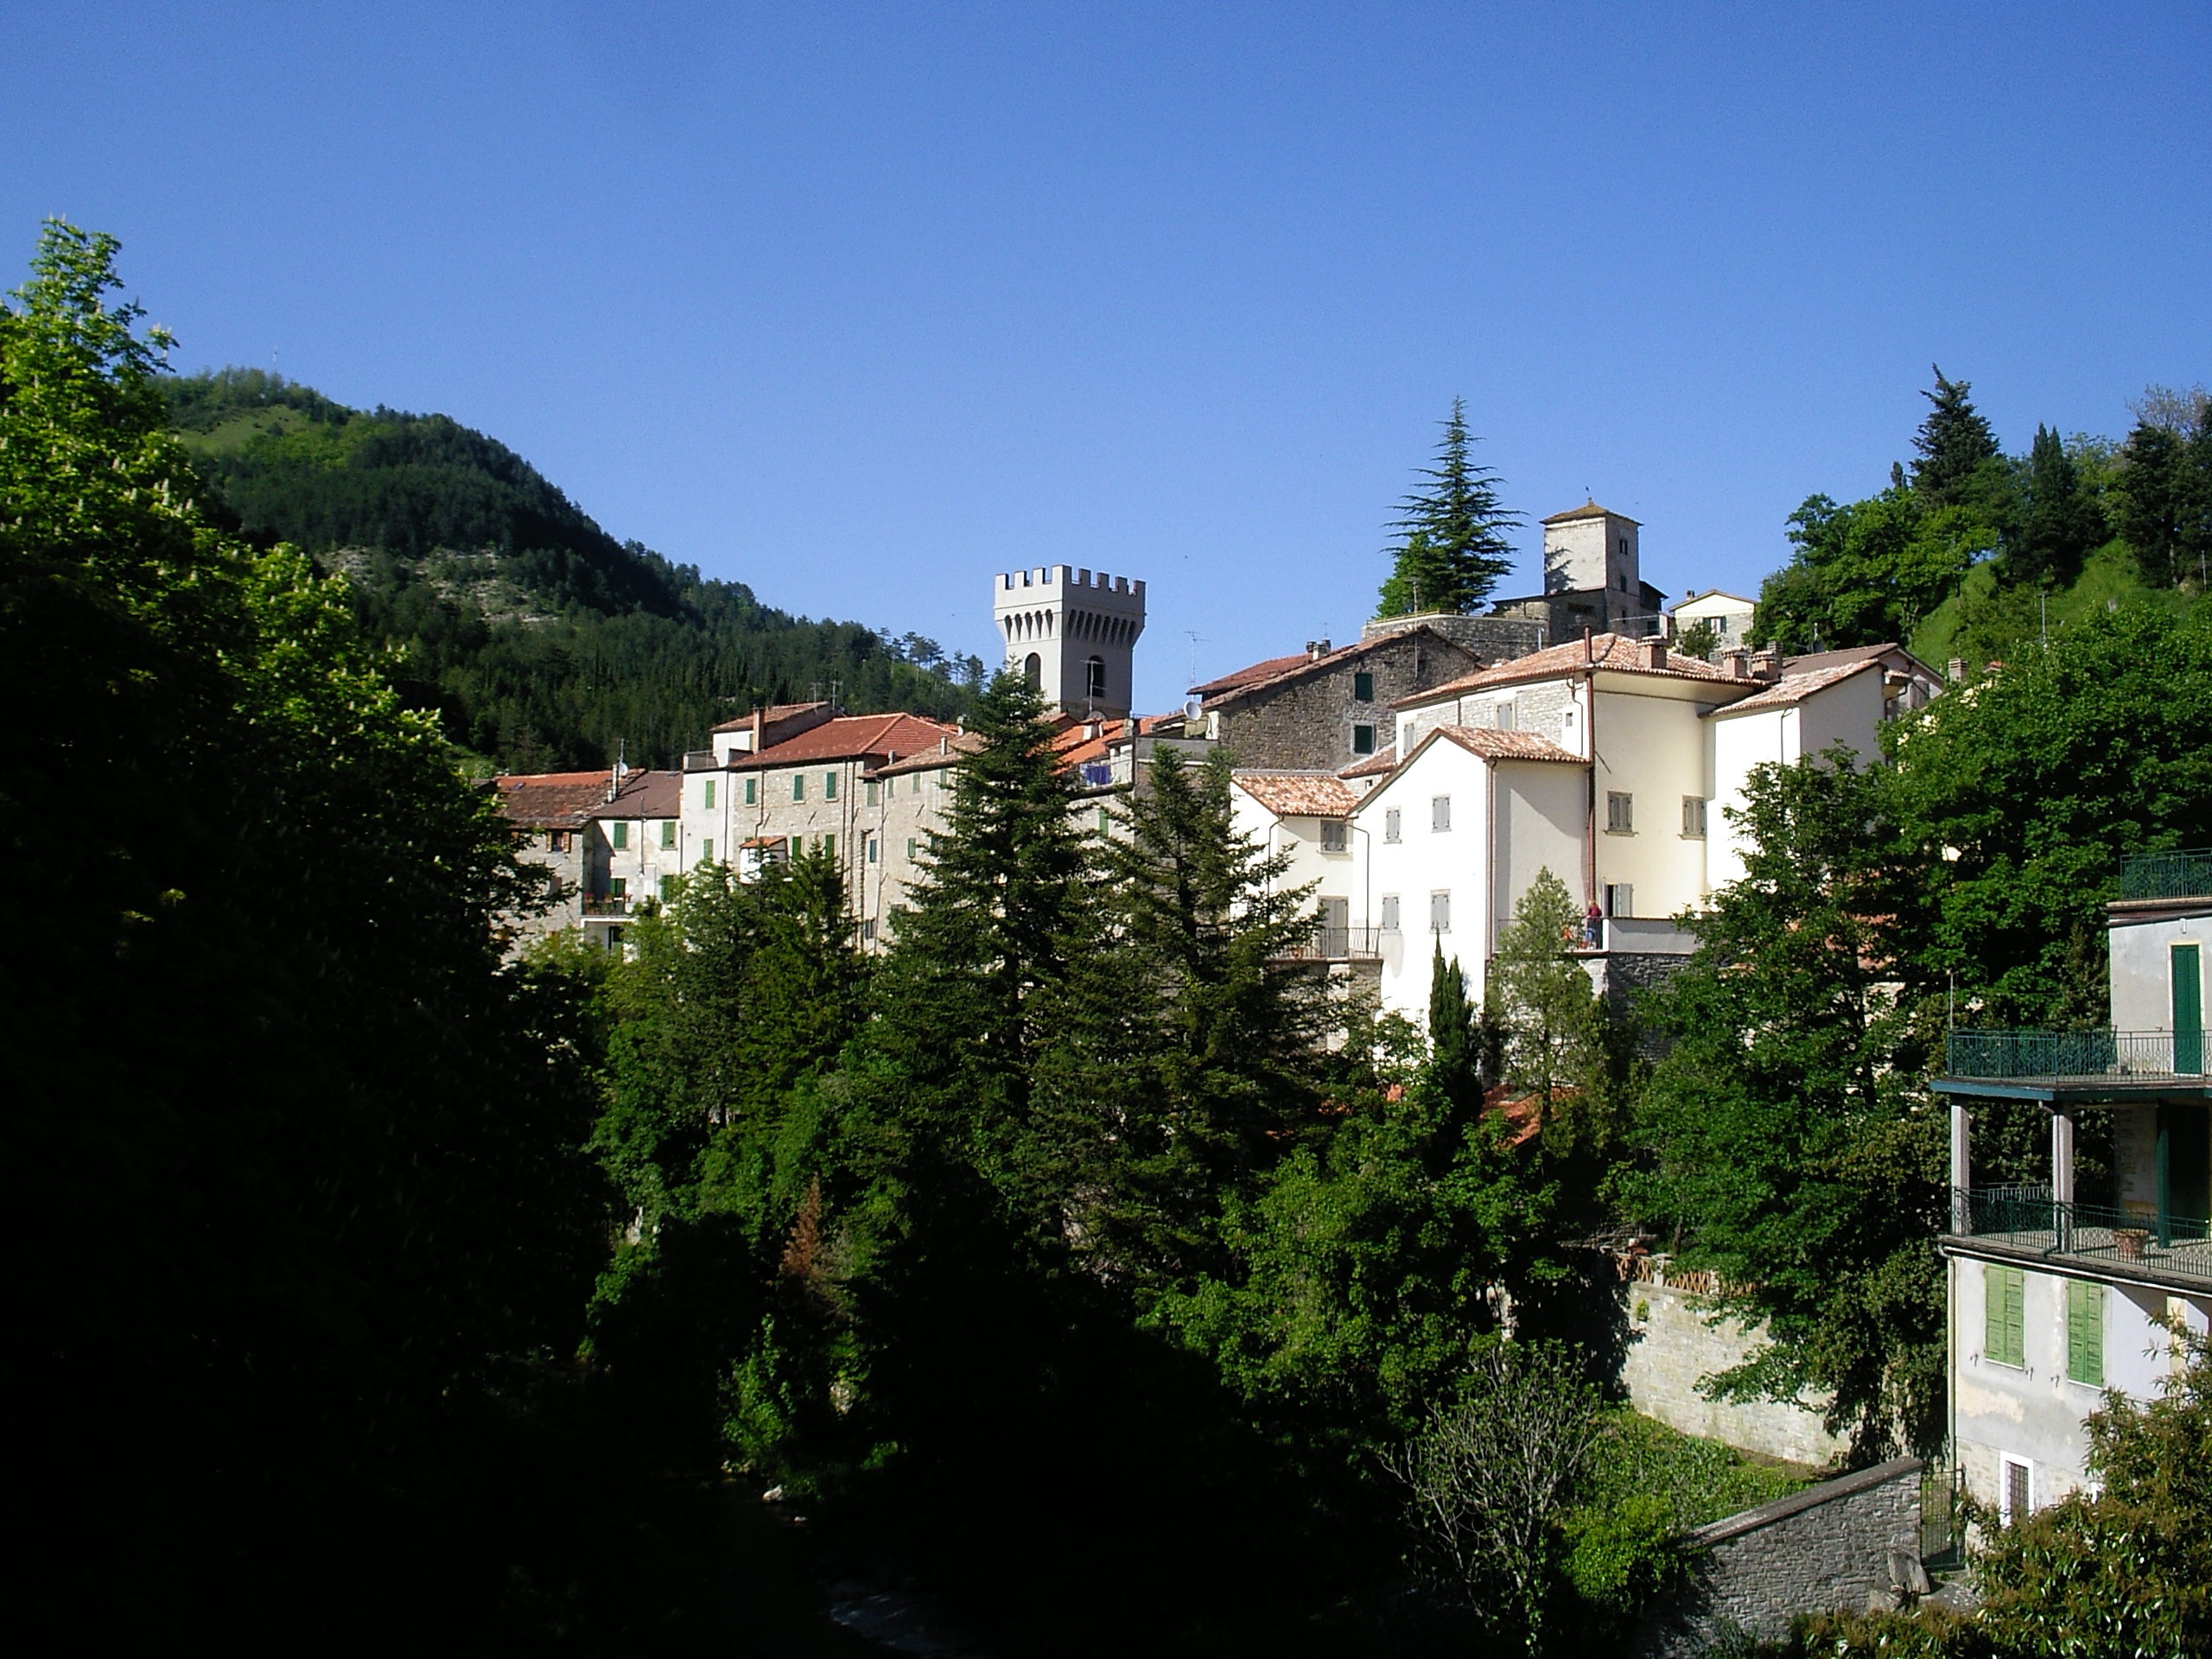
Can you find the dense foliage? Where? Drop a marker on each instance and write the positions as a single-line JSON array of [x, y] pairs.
[[1452, 549], [541, 641]]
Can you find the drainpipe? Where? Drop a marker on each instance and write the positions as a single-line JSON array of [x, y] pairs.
[[1590, 816]]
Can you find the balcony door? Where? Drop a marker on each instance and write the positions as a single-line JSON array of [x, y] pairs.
[[2184, 974], [1336, 928]]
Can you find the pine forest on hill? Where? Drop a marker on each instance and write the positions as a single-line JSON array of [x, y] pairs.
[[542, 642]]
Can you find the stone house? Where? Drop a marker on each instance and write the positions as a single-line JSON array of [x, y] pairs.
[[1325, 708], [608, 841]]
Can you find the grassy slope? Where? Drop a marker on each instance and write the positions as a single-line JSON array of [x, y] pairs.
[[1982, 621]]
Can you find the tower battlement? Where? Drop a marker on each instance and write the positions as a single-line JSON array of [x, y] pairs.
[[1073, 633]]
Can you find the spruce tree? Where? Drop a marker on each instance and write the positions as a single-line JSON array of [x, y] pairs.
[[1453, 551], [1954, 441]]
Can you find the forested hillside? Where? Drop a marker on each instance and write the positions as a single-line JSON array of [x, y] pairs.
[[541, 641]]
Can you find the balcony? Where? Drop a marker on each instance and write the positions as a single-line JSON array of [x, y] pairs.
[[1338, 944], [2132, 1241], [605, 907], [2077, 1057], [2152, 876]]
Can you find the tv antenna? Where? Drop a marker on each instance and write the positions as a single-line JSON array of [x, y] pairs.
[[1197, 639]]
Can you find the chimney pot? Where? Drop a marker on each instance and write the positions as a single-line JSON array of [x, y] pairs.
[[1767, 664], [1957, 670], [1655, 653], [1738, 661]]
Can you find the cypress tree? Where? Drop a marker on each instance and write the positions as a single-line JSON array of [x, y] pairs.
[[1453, 550], [2062, 522], [1953, 441], [1455, 1050]]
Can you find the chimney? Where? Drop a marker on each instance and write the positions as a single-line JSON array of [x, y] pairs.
[[757, 718], [1316, 649], [1767, 664], [1585, 645], [1653, 651], [1737, 659], [1957, 670]]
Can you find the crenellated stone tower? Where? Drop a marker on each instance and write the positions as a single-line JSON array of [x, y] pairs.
[[1073, 633]]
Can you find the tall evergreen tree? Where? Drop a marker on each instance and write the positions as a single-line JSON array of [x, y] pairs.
[[2166, 499], [1954, 441], [1454, 1042], [2062, 522], [1453, 550]]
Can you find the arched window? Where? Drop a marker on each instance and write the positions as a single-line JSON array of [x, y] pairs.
[[1094, 679], [1033, 669]]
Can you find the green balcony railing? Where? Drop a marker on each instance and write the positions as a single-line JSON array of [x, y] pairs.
[[2054, 1056], [2183, 874], [2025, 1217]]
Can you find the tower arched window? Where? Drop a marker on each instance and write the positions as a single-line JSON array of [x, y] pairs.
[[1094, 679], [1033, 669]]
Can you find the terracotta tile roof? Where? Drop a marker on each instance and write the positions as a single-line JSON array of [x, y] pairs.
[[1588, 510], [1615, 654], [569, 800], [1299, 794], [1494, 745], [773, 713], [849, 737], [1244, 676], [1375, 765], [1281, 671], [1795, 688], [1087, 751], [939, 752]]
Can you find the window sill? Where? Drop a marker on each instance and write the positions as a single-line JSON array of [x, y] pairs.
[[1623, 834]]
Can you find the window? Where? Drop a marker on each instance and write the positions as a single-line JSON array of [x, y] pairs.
[[1389, 913], [667, 888], [1694, 817], [1503, 715], [798, 785], [751, 791], [1363, 740], [871, 791], [1032, 670], [1390, 825], [910, 850], [1439, 912], [1620, 900], [1439, 813], [707, 790], [829, 786], [667, 832], [1334, 835], [1570, 729], [871, 849], [915, 788], [868, 929], [795, 846], [1620, 813], [1094, 679], [2185, 988], [560, 840], [618, 887], [2002, 1294], [829, 846], [707, 851], [1363, 688], [2017, 1501], [619, 834], [2085, 1332], [1105, 821]]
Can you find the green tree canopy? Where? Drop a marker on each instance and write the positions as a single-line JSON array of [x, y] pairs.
[[1953, 443], [1453, 549]]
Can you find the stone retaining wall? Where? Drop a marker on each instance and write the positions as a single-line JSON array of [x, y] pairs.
[[1671, 1347], [1829, 1548]]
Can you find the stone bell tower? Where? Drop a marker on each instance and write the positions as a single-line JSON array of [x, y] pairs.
[[1073, 634]]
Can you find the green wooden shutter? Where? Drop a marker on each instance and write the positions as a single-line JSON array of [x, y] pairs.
[[2085, 1332], [2003, 1296], [2189, 1009]]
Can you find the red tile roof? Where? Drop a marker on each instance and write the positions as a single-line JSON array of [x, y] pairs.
[[1375, 765], [1494, 745], [1243, 677], [849, 737], [930, 756], [1588, 510], [1278, 670], [1299, 794], [1613, 652], [770, 715], [1795, 688], [569, 800]]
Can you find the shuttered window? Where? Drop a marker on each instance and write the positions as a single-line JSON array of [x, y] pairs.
[[619, 834], [1440, 812], [708, 790], [668, 832], [751, 791], [1363, 740], [798, 785], [1439, 912], [2085, 1332], [1389, 913], [1363, 688], [1390, 824], [1620, 813], [829, 786], [2004, 1297]]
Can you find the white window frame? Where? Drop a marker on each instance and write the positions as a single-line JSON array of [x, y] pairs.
[[1623, 822], [1694, 814]]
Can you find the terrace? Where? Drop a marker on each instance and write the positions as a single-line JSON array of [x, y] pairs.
[[2136, 1243]]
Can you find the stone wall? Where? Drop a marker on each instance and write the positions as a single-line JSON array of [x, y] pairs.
[[1305, 724], [1493, 639], [1832, 1548], [1671, 1347]]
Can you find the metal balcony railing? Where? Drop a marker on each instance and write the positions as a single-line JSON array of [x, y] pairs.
[[605, 906], [2183, 874], [2116, 1238], [2075, 1056], [1338, 944]]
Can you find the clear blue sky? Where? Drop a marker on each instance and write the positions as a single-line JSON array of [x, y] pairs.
[[859, 305]]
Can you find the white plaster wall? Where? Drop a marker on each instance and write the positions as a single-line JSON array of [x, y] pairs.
[[1674, 1344], [1653, 747], [1536, 819], [2142, 995], [1335, 873], [1422, 863], [2033, 1411], [1739, 742], [1849, 713]]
